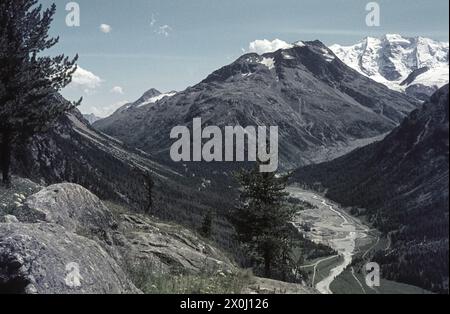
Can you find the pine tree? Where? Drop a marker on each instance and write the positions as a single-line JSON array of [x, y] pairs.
[[29, 81], [262, 220], [149, 185], [206, 228]]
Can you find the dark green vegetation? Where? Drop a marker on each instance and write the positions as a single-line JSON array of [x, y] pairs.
[[262, 222], [323, 268], [150, 280], [73, 152], [402, 182], [310, 251], [347, 284], [29, 82]]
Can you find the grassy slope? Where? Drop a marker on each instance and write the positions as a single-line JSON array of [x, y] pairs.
[[346, 284]]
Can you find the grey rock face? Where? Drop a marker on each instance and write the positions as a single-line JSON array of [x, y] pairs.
[[72, 207], [72, 243], [75, 152], [47, 259], [167, 247], [10, 219], [420, 91]]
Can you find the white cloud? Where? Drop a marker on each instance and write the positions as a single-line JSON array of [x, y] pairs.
[[117, 90], [153, 20], [85, 80], [103, 111], [105, 28], [164, 30], [264, 46]]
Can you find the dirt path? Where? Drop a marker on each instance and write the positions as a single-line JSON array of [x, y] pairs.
[[315, 266]]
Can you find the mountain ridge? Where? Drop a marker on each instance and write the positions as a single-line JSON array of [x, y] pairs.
[[315, 99], [72, 151], [417, 66], [401, 184]]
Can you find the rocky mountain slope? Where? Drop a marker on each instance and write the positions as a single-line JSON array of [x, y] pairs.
[[417, 66], [64, 240], [149, 98], [401, 183], [91, 118], [73, 151], [322, 107]]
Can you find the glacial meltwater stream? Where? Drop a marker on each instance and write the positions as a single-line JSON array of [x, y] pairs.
[[331, 226]]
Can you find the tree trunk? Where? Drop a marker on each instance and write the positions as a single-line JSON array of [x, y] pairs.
[[149, 183], [267, 264], [5, 156]]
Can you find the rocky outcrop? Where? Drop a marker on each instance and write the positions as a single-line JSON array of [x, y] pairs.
[[47, 258], [63, 239], [72, 151], [10, 219], [72, 207], [170, 248]]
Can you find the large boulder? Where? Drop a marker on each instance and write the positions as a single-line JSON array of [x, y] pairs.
[[73, 207], [167, 247], [68, 241], [47, 258]]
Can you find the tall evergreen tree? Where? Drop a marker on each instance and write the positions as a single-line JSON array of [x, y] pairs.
[[262, 220], [149, 185], [206, 228], [29, 81]]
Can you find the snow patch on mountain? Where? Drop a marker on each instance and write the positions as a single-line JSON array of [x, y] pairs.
[[437, 76], [327, 55], [155, 99], [391, 59], [268, 62], [287, 56]]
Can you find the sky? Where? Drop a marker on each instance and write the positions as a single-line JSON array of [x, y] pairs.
[[126, 47]]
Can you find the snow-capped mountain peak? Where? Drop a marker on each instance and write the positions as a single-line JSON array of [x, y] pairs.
[[392, 59], [155, 99], [151, 93]]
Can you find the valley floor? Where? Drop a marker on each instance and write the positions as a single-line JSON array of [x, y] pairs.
[[330, 225]]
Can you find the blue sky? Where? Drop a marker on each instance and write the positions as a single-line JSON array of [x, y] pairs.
[[173, 44]]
